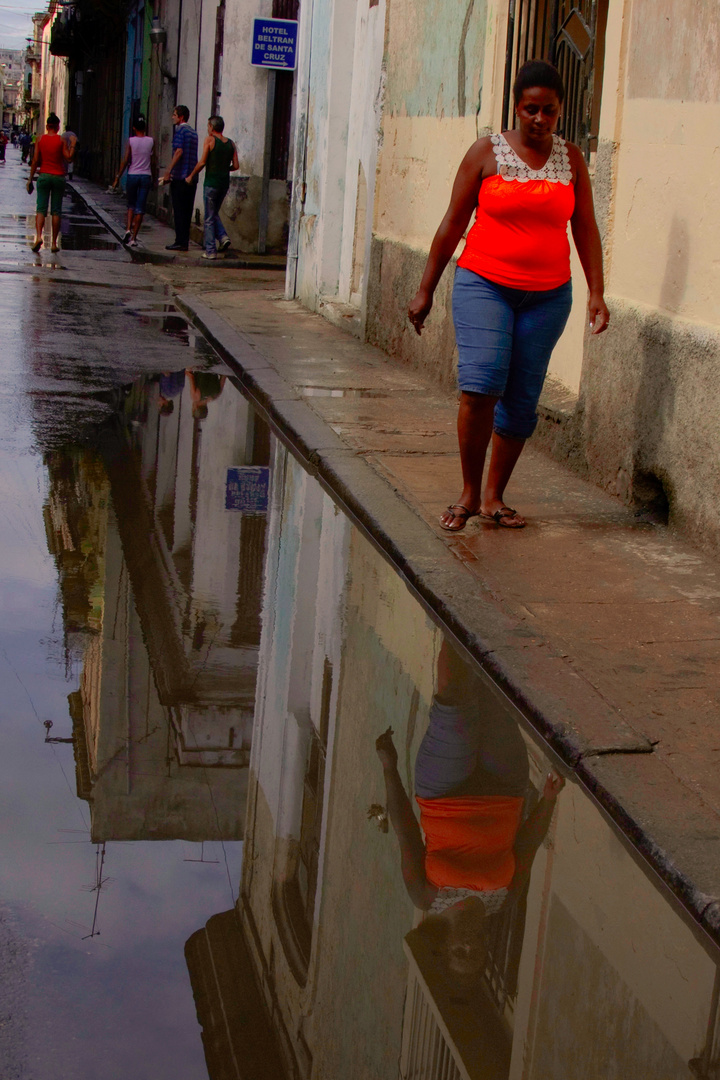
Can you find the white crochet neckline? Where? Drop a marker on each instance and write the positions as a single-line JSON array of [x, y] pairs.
[[492, 900], [510, 166]]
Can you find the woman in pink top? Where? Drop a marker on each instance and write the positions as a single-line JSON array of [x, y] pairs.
[[49, 161], [140, 162]]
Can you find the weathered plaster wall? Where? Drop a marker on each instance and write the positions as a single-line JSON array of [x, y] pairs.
[[244, 88], [443, 91], [325, 82], [364, 130], [649, 413], [579, 979], [389, 653]]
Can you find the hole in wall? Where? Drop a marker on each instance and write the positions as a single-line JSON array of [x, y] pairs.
[[650, 498]]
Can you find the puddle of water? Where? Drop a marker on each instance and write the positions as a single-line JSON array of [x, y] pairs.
[[233, 647], [339, 392]]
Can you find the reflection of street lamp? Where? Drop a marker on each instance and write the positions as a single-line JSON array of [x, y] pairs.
[[47, 724]]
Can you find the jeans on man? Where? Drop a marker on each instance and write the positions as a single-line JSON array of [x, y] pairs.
[[183, 200], [214, 231]]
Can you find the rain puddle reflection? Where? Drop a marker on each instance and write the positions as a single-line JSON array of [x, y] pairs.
[[422, 894]]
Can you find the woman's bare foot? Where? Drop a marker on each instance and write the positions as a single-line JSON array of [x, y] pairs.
[[502, 515], [456, 517]]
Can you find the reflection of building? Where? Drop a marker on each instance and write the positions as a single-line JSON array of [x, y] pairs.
[[164, 585], [592, 975], [237, 1038]]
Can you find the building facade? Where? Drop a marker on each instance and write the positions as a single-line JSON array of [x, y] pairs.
[[388, 106], [590, 972]]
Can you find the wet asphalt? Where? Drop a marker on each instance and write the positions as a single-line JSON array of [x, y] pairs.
[[95, 983]]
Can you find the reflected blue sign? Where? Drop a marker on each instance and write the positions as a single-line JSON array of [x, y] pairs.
[[247, 488], [274, 43]]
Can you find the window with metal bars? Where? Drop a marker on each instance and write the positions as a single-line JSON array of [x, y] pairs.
[[282, 104], [570, 35]]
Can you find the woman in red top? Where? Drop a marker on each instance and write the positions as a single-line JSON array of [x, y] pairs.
[[49, 161], [471, 784], [512, 292]]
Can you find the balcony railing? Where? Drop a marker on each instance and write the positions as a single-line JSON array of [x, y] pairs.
[[428, 1052]]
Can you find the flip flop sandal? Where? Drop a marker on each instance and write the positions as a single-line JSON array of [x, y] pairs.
[[37, 245], [499, 517], [465, 514]]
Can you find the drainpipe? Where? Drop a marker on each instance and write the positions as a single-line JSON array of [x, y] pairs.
[[300, 172]]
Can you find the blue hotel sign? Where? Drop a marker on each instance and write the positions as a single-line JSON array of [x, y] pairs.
[[247, 489], [274, 43]]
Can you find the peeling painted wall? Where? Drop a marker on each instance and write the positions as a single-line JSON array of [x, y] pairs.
[[340, 86], [649, 414]]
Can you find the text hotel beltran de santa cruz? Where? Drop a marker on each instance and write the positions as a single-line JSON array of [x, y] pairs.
[[274, 43]]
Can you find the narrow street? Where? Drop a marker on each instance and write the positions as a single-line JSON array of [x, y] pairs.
[[91, 933], [222, 580]]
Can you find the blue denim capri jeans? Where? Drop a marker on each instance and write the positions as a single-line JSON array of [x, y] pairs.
[[465, 753], [505, 338], [137, 187]]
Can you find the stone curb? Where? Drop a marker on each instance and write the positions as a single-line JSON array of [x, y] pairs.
[[159, 258], [581, 729]]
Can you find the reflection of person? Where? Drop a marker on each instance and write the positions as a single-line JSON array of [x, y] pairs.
[[139, 160], [49, 161], [220, 157], [70, 139], [205, 386], [512, 292], [184, 160], [471, 779], [170, 384]]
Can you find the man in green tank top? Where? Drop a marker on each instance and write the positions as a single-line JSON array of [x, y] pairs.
[[219, 158]]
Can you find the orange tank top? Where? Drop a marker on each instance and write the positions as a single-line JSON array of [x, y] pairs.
[[469, 841], [519, 237]]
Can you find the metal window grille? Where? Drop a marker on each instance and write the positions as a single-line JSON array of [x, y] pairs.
[[569, 35], [426, 1050]]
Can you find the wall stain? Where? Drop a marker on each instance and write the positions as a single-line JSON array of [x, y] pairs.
[[461, 99]]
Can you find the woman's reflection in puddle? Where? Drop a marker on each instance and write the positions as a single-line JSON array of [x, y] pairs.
[[205, 386], [170, 385], [471, 784]]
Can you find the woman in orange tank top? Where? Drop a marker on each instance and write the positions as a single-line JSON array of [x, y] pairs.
[[512, 292], [472, 786]]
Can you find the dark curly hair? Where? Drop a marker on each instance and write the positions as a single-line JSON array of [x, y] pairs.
[[538, 73]]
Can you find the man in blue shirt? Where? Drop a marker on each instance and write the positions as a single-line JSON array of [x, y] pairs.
[[184, 160]]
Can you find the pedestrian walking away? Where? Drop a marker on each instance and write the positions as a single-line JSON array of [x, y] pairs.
[[184, 160], [3, 144], [219, 159], [140, 162], [49, 162], [512, 292]]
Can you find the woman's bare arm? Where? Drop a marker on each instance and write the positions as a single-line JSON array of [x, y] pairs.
[[207, 147], [127, 158], [587, 241], [462, 203], [405, 824], [533, 831]]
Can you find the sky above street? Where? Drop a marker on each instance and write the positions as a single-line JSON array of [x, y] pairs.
[[15, 24]]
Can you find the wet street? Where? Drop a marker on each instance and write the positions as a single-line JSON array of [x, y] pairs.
[[223, 714], [92, 927]]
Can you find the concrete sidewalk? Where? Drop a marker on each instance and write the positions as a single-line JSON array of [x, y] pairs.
[[110, 207], [604, 629]]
